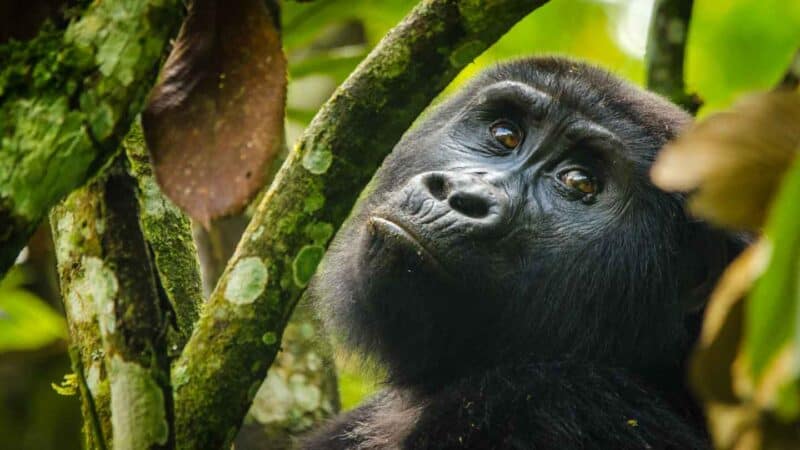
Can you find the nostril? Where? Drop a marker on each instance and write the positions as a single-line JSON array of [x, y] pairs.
[[436, 185], [469, 205]]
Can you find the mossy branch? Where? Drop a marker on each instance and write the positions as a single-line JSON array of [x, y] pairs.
[[239, 330], [66, 99], [168, 233], [666, 48], [117, 327]]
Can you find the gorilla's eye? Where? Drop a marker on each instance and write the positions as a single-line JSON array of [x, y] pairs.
[[580, 181], [506, 133]]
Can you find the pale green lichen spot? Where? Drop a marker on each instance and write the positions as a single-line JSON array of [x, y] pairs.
[[269, 338], [318, 160], [273, 401], [305, 263], [100, 284], [64, 243], [179, 377], [246, 281], [313, 202], [93, 379], [256, 235], [306, 395], [138, 418], [152, 200], [319, 232]]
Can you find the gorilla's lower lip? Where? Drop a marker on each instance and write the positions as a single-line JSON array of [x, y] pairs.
[[395, 230]]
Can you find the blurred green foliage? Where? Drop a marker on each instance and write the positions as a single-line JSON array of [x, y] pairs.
[[738, 46], [26, 322]]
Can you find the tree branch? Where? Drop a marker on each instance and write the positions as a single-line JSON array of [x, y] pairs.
[[239, 331], [791, 79], [116, 324], [666, 48], [66, 99], [168, 233]]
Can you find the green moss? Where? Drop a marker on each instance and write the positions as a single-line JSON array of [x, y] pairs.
[[246, 281], [251, 393], [305, 263], [139, 418], [313, 202], [466, 53], [269, 338], [48, 141], [394, 63], [319, 232]]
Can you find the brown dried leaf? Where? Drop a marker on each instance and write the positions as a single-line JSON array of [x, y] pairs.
[[712, 362], [214, 122], [734, 160]]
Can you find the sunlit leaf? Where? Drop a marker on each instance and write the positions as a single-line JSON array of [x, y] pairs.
[[738, 46], [734, 159], [772, 325], [26, 322], [214, 122]]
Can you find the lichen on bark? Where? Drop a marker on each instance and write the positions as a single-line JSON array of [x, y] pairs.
[[66, 99], [117, 328], [168, 233]]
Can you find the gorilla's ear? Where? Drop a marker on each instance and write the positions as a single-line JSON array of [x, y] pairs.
[[711, 252]]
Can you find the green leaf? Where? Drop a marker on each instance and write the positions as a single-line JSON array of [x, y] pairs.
[[336, 63], [738, 46], [772, 330], [26, 322]]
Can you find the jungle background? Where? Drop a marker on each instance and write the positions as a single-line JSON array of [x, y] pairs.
[[734, 47]]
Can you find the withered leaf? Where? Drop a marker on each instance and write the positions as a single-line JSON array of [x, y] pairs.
[[720, 340], [214, 121], [734, 159]]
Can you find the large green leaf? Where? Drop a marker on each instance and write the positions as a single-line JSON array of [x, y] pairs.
[[772, 323], [738, 46]]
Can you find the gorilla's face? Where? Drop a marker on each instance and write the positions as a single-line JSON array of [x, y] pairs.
[[516, 219]]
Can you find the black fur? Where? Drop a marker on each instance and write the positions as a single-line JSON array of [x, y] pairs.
[[509, 310]]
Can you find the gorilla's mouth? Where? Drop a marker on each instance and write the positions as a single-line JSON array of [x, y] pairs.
[[386, 229]]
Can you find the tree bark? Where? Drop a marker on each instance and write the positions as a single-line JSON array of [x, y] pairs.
[[238, 334], [66, 99], [117, 327], [168, 233], [666, 48]]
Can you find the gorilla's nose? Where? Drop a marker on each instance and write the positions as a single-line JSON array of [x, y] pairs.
[[465, 193]]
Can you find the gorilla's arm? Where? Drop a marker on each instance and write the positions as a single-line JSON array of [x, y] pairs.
[[551, 406], [340, 433]]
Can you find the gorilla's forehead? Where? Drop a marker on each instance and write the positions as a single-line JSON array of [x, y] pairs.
[[540, 104], [593, 92]]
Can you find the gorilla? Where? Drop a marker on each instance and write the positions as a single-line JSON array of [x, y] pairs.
[[519, 277]]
